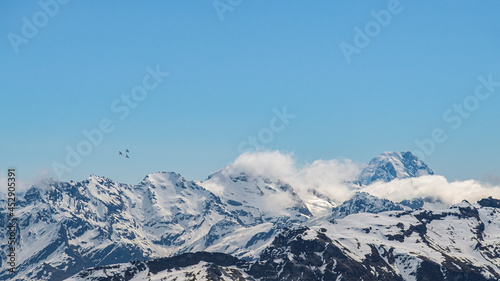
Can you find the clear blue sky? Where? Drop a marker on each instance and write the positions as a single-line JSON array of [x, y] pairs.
[[228, 74]]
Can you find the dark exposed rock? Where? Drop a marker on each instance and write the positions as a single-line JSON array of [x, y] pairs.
[[489, 202]]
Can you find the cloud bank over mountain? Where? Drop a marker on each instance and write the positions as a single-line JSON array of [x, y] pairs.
[[336, 179]]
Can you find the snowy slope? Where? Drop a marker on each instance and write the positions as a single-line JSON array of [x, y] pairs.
[[457, 243], [66, 227], [258, 196]]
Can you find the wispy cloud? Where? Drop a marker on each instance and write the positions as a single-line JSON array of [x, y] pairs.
[[21, 185], [434, 186], [329, 177]]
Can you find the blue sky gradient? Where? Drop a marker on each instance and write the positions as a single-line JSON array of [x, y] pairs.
[[228, 74]]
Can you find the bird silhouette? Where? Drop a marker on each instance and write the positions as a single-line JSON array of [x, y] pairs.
[[126, 156], [126, 150], [120, 152]]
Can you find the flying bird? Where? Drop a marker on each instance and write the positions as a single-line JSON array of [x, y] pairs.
[[120, 152], [126, 156], [126, 150]]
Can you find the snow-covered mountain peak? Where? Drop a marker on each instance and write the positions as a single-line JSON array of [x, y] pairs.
[[227, 174], [391, 165], [463, 204], [163, 178], [363, 202], [96, 177], [259, 197]]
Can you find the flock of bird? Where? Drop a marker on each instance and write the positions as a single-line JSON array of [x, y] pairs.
[[126, 153]]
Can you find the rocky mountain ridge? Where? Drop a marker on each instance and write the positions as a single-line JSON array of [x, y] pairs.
[[97, 227]]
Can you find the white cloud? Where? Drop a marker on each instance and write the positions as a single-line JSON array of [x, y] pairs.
[[21, 185], [327, 177], [270, 164], [332, 177], [433, 186]]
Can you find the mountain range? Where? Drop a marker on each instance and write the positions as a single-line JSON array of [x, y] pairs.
[[238, 225]]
